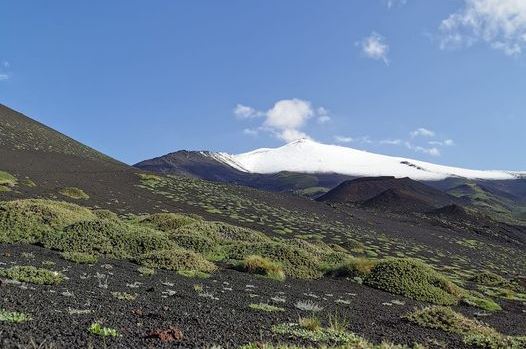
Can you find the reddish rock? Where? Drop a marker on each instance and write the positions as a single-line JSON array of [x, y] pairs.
[[168, 335]]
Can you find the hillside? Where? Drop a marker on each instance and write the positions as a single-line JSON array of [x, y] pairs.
[[97, 253], [388, 193]]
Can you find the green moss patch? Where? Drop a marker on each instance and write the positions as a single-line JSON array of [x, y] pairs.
[[32, 275], [74, 193]]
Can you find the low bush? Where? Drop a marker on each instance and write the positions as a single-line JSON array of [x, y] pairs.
[[194, 243], [487, 278], [475, 333], [74, 193], [13, 317], [32, 275], [108, 237], [28, 221], [176, 259], [262, 266], [480, 301], [296, 263], [413, 279], [6, 179], [222, 232], [168, 222], [97, 329], [353, 267], [194, 274], [80, 257]]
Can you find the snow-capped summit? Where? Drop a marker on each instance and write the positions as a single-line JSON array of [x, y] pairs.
[[308, 156]]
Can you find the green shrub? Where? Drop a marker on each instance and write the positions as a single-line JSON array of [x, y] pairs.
[[480, 301], [28, 183], [97, 329], [222, 232], [353, 267], [168, 222], [13, 317], [7, 179], [194, 243], [261, 266], [74, 193], [413, 279], [107, 237], [176, 259], [296, 263], [488, 278], [29, 220], [32, 275], [80, 257], [145, 271], [475, 333]]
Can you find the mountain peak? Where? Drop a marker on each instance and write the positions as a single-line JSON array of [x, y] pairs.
[[305, 155]]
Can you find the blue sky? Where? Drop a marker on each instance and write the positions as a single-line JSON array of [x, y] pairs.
[[436, 80]]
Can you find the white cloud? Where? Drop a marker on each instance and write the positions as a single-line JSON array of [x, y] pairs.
[[447, 143], [289, 114], [422, 132], [391, 141], [250, 131], [499, 23], [430, 151], [375, 47], [285, 119], [291, 135], [323, 115], [343, 139], [243, 112], [4, 77], [392, 3]]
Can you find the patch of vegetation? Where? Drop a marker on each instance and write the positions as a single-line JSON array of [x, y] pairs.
[[358, 344], [26, 182], [176, 259], [310, 329], [474, 332], [145, 271], [97, 329], [32, 275], [168, 222], [220, 232], [413, 279], [353, 267], [80, 257], [124, 296], [477, 300], [488, 278], [262, 266], [296, 262], [268, 308], [28, 221], [6, 181], [118, 239], [195, 274], [74, 193], [13, 317]]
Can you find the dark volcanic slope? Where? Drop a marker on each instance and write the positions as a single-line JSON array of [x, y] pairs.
[[202, 164], [20, 133], [392, 190]]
